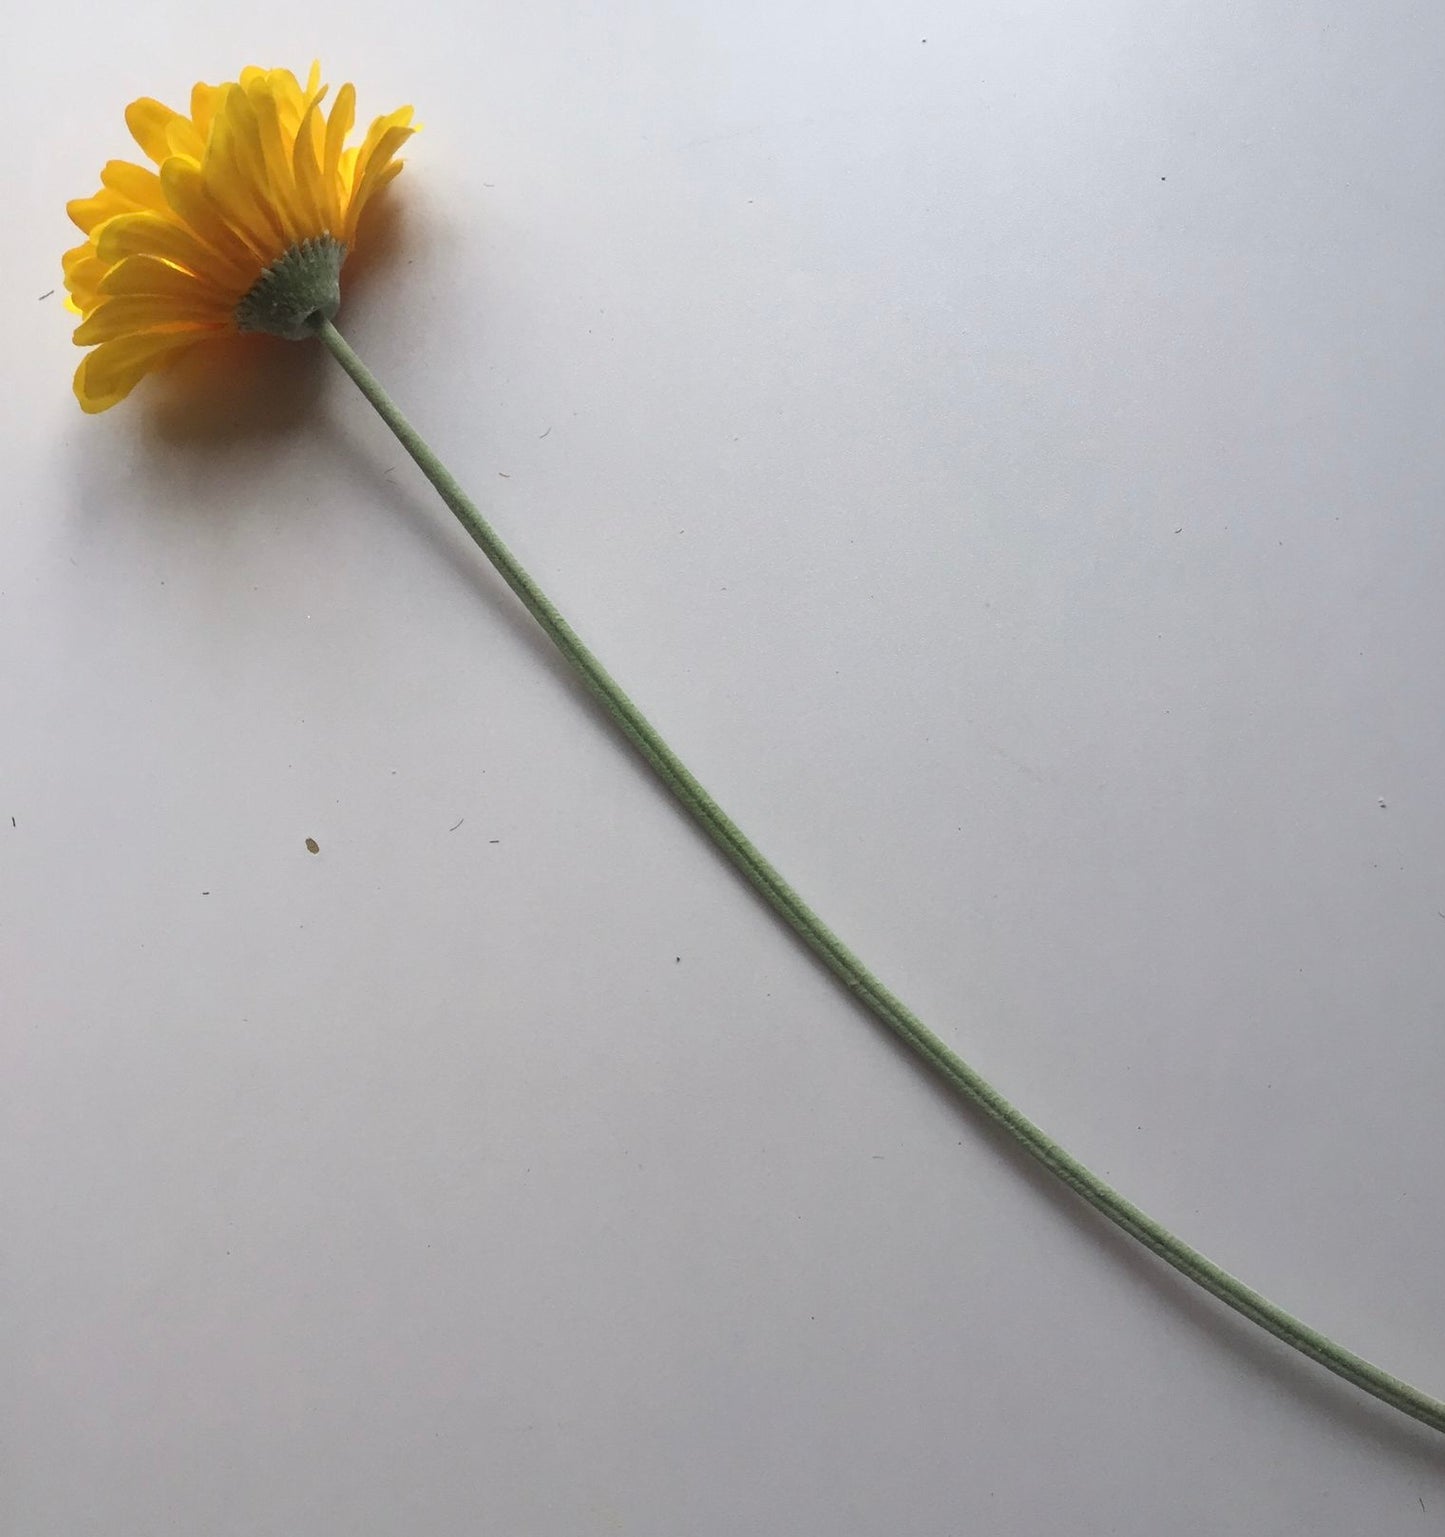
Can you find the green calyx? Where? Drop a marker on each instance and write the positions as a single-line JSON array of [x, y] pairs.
[[295, 291]]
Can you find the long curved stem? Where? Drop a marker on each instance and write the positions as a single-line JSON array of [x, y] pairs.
[[786, 902]]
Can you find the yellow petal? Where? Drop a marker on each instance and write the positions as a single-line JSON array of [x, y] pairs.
[[205, 100], [149, 122], [125, 189], [238, 115], [149, 234], [113, 370], [183, 139], [82, 281], [359, 159], [280, 178], [187, 196], [306, 168], [157, 279], [77, 254], [138, 185], [235, 174], [338, 125], [369, 168], [285, 90], [130, 314], [89, 212]]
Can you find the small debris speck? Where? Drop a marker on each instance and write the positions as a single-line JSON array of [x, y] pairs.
[[205, 893], [678, 959], [312, 846], [46, 294], [494, 840], [542, 435], [504, 474], [456, 824], [1382, 805]]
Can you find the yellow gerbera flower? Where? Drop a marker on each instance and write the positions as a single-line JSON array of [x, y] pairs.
[[242, 226]]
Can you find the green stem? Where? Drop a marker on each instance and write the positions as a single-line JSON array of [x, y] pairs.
[[843, 963]]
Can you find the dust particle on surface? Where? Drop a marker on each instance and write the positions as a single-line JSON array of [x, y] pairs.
[[312, 846], [46, 294]]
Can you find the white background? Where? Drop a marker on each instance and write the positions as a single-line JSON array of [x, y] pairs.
[[999, 444]]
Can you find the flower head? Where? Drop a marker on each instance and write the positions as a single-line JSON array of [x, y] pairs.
[[242, 225]]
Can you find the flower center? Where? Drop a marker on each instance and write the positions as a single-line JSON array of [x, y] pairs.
[[295, 288]]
